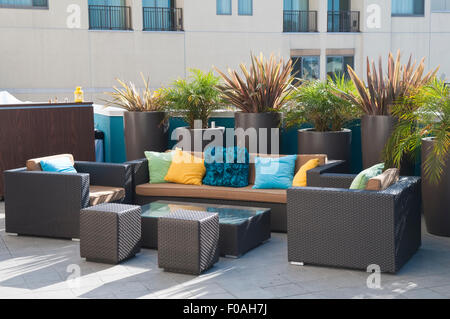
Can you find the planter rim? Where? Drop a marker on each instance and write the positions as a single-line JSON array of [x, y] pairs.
[[378, 116], [143, 112], [201, 129], [241, 112], [313, 130], [428, 139]]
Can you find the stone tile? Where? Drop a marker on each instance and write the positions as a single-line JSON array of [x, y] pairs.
[[37, 268], [286, 290]]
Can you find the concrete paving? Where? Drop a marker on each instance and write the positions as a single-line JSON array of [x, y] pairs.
[[45, 268]]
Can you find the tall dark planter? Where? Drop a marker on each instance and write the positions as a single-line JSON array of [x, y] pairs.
[[201, 138], [436, 197], [258, 121], [337, 145], [375, 132], [145, 131]]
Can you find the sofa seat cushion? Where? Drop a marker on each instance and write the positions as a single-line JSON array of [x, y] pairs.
[[213, 192], [105, 194]]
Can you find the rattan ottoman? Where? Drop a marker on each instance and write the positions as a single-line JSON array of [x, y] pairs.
[[110, 233], [188, 241]]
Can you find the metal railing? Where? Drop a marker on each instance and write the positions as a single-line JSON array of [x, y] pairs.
[[343, 21], [109, 17], [299, 21], [162, 19]]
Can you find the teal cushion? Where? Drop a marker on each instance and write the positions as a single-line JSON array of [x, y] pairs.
[[158, 166], [59, 165], [274, 173], [361, 180]]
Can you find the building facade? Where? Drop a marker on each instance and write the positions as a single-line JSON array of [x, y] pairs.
[[48, 47]]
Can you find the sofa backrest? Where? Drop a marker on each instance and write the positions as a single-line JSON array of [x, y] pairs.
[[301, 160], [34, 164]]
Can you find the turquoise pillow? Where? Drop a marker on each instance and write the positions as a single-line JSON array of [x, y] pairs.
[[274, 173], [158, 166], [361, 180], [59, 165], [226, 166]]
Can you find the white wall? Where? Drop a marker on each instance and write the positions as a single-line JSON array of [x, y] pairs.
[[40, 57]]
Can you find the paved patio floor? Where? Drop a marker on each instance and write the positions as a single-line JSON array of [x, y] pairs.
[[40, 268]]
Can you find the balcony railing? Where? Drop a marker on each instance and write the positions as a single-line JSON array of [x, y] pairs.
[[343, 21], [299, 21], [162, 19], [109, 18]]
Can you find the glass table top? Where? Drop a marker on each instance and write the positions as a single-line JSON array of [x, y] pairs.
[[227, 214]]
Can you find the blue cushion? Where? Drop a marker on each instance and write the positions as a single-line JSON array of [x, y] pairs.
[[226, 167], [274, 173], [60, 165]]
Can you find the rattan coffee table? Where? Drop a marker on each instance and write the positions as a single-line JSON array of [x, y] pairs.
[[241, 228]]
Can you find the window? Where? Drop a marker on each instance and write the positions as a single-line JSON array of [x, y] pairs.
[[223, 7], [245, 7], [337, 65], [109, 15], [306, 67], [24, 3], [408, 7], [440, 5]]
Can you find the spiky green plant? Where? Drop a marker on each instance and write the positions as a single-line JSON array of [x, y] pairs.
[[425, 113], [380, 93], [128, 97], [315, 102], [194, 98], [261, 88]]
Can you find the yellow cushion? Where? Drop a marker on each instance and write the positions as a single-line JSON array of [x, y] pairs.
[[300, 177], [186, 169]]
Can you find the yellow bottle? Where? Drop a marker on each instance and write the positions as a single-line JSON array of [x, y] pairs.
[[79, 95]]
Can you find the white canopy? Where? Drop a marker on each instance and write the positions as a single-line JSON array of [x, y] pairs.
[[7, 98]]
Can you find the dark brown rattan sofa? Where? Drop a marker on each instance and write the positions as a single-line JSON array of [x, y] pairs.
[[275, 199], [48, 204], [331, 225]]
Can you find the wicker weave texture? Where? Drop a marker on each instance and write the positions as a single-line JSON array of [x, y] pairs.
[[110, 233], [188, 241], [354, 229]]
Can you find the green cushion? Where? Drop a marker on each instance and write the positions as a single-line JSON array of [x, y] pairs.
[[158, 166], [361, 180]]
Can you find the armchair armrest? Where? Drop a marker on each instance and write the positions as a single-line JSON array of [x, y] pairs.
[[330, 175], [140, 173], [109, 174], [45, 203]]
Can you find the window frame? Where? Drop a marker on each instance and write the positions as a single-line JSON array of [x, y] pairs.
[[409, 15], [300, 60], [246, 14], [224, 14], [32, 7]]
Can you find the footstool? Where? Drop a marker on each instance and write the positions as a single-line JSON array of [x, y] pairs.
[[110, 233], [188, 241]]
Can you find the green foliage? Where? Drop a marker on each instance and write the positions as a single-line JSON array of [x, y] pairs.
[[262, 88], [424, 113], [316, 102], [380, 93], [129, 98], [194, 98]]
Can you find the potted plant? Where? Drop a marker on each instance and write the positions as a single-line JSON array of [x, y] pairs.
[[315, 102], [424, 123], [377, 97], [194, 99], [145, 122], [259, 93]]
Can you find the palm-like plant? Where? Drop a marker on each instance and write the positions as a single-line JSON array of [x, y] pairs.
[[262, 88], [425, 113], [194, 98], [315, 102], [128, 97], [380, 93]]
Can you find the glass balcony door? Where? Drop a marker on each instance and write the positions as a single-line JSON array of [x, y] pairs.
[[296, 16], [108, 14], [337, 20], [159, 14]]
